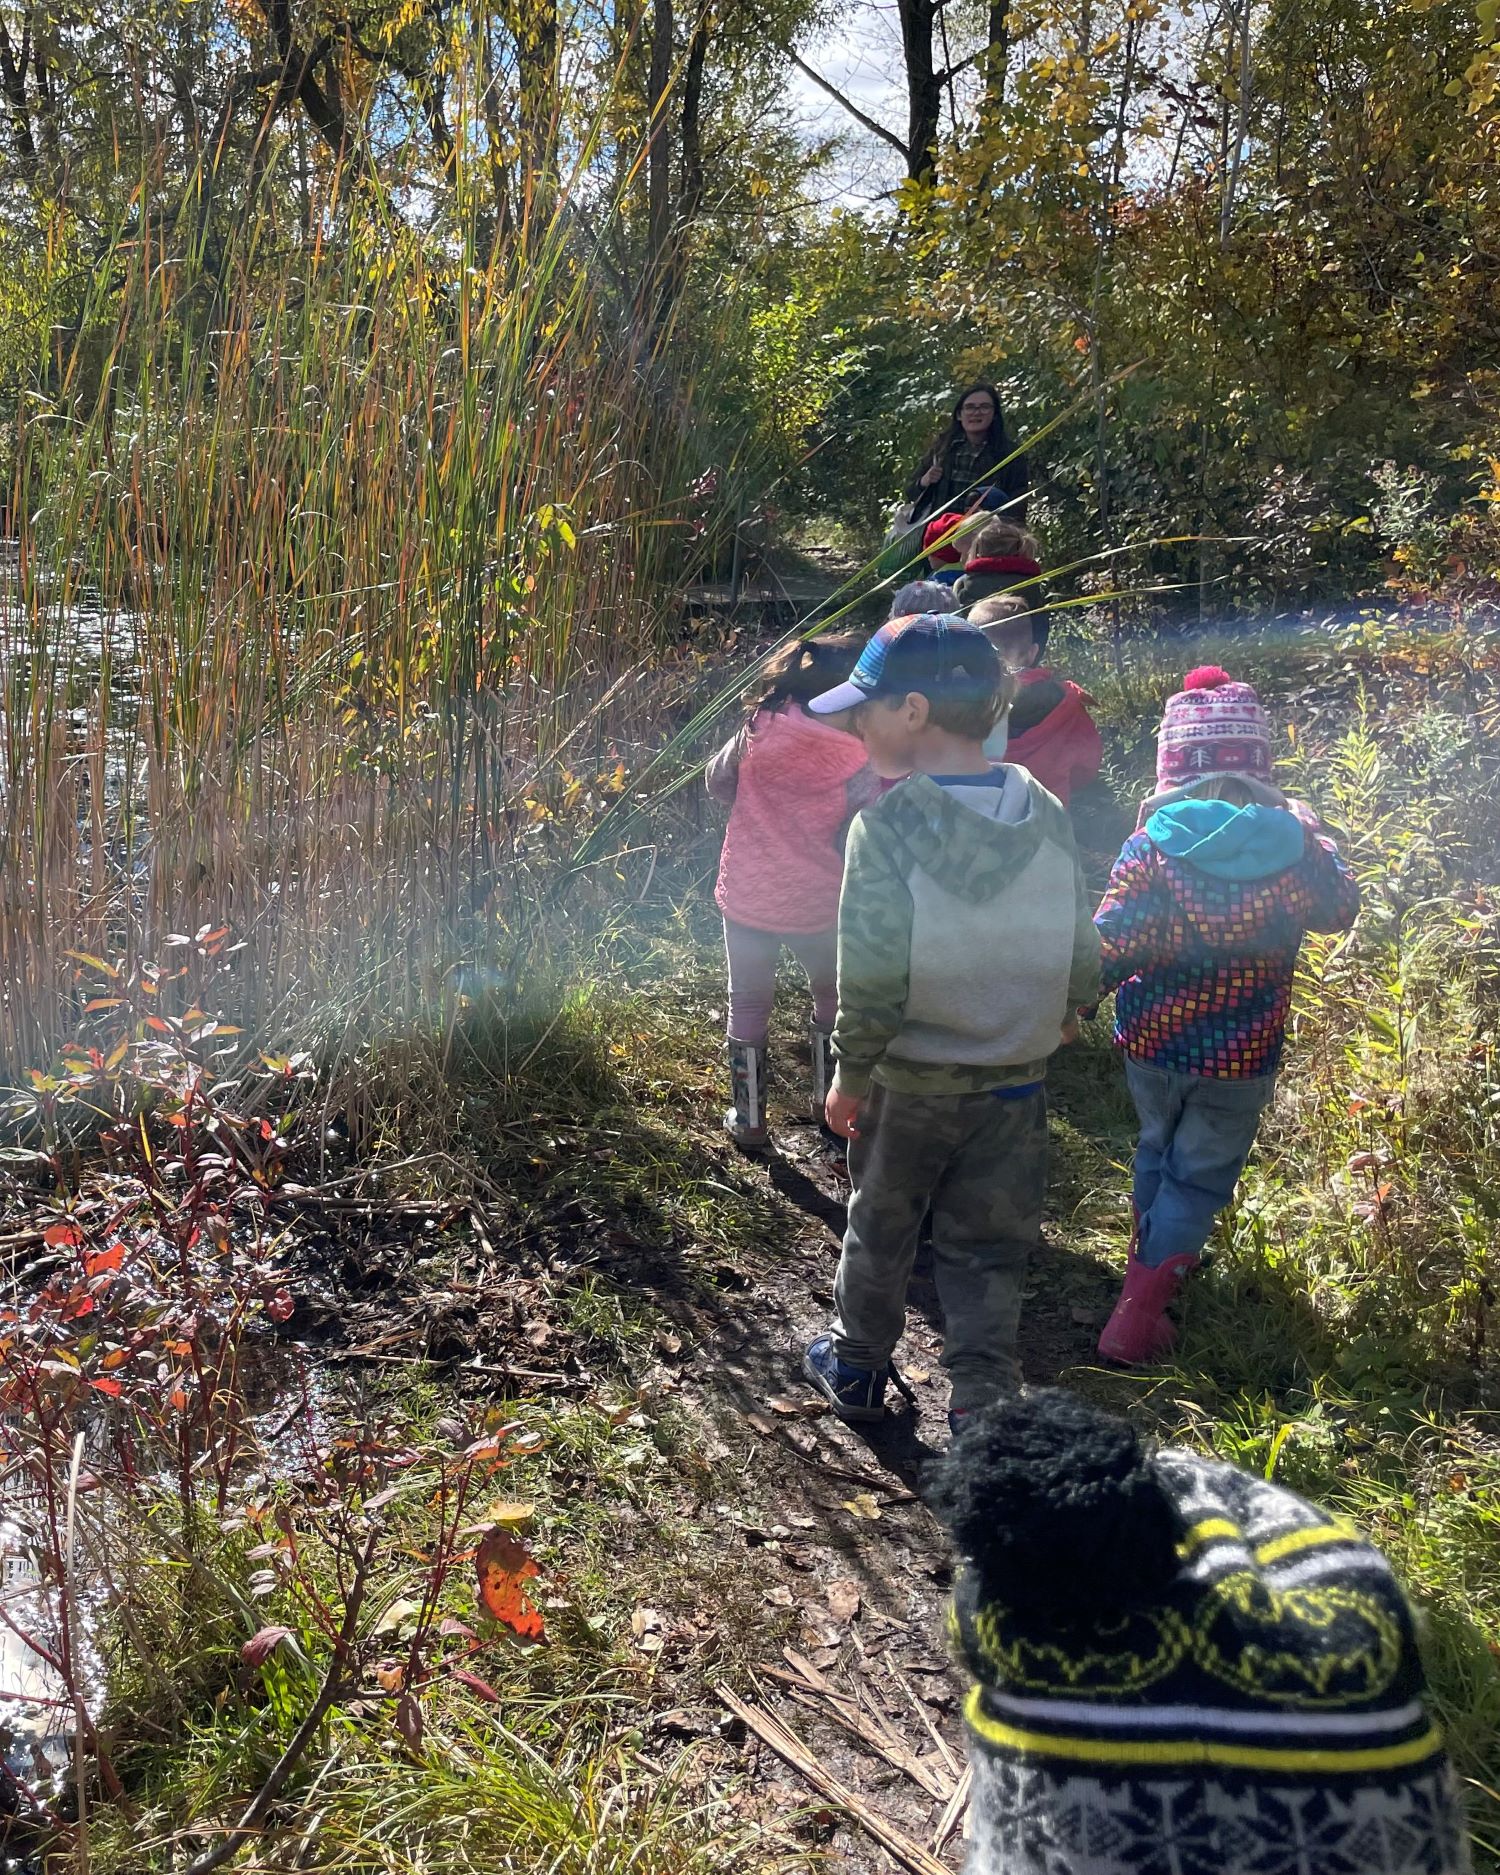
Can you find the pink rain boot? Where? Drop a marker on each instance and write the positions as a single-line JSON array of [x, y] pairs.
[[1139, 1332]]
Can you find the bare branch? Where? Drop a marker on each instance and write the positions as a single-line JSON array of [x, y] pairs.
[[848, 104], [962, 65]]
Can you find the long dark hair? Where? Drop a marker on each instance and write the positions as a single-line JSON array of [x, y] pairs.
[[804, 671], [999, 437]]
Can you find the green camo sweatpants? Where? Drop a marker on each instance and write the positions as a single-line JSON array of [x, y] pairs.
[[981, 1162]]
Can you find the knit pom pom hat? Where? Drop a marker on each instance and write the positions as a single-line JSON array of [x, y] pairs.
[[1212, 727], [1179, 1669]]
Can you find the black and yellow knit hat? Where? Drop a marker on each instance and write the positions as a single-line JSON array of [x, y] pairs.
[[1180, 1669]]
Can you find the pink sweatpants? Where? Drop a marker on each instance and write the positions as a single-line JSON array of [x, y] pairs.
[[752, 958]]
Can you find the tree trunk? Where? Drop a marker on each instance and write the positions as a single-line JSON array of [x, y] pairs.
[[1104, 236], [654, 277], [690, 173], [924, 88], [997, 58], [1241, 123], [13, 85], [534, 24], [691, 187], [494, 132]]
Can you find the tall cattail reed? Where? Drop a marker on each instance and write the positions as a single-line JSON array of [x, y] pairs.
[[332, 570]]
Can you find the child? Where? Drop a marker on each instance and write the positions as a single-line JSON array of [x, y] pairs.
[[1200, 926], [792, 783], [998, 557], [1181, 1669], [964, 943], [921, 595], [1051, 733], [945, 541]]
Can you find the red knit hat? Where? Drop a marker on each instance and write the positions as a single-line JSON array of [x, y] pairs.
[[934, 531], [1212, 727]]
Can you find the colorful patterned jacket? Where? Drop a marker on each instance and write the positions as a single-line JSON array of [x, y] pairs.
[[1200, 928]]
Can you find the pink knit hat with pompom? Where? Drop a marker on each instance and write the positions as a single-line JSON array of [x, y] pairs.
[[1212, 727]]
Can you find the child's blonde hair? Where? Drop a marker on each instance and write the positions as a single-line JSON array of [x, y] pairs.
[[1005, 620], [999, 538], [1230, 788]]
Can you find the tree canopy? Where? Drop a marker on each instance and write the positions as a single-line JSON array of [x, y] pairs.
[[1278, 221]]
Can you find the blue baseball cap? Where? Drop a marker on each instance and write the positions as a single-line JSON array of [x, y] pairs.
[[936, 654]]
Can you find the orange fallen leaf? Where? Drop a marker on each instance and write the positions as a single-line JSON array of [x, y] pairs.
[[504, 1565]]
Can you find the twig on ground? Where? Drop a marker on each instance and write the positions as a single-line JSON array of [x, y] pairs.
[[957, 1804], [317, 1198], [921, 1712], [23, 1240], [788, 1747], [481, 1231], [842, 1475], [870, 1727]]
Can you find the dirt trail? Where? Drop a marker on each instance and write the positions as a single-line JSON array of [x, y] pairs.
[[833, 1514]]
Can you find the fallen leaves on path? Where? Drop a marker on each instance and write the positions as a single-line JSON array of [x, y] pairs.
[[645, 1627], [864, 1507]]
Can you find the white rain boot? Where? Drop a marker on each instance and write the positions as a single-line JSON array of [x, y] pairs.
[[745, 1122]]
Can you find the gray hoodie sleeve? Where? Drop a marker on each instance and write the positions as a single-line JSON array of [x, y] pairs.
[[875, 915], [1083, 978]]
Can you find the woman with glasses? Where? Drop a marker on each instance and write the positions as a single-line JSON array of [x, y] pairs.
[[966, 467]]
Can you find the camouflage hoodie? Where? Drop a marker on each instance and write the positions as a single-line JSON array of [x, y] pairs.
[[965, 939]]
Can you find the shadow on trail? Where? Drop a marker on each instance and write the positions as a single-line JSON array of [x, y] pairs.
[[816, 1201]]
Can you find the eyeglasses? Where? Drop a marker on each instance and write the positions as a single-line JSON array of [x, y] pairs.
[[986, 409]]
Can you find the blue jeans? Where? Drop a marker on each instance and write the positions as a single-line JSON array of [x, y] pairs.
[[1196, 1134]]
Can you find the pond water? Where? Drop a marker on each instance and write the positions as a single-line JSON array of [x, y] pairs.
[[36, 1714]]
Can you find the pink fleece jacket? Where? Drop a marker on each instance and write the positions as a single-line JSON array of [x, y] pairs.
[[793, 784]]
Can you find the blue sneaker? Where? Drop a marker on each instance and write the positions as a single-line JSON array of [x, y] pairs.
[[958, 1418], [854, 1393]]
